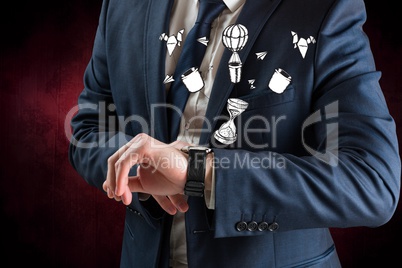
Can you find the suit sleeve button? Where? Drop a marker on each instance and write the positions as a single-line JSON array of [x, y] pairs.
[[252, 226], [263, 226], [273, 226], [241, 226]]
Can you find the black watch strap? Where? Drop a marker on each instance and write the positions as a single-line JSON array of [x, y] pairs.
[[196, 172]]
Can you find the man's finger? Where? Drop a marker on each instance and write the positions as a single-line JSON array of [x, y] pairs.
[[110, 182], [179, 201], [165, 204], [134, 185], [127, 197], [122, 169]]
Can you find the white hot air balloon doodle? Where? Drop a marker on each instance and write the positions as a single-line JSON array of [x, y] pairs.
[[234, 38]]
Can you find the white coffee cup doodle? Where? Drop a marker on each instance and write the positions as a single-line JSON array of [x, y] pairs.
[[193, 80], [279, 81]]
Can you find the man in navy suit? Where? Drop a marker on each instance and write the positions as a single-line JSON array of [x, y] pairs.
[[284, 134]]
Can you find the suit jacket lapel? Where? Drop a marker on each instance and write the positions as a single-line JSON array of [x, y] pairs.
[[155, 54], [253, 16]]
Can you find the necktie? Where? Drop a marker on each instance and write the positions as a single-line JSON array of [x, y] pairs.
[[190, 59]]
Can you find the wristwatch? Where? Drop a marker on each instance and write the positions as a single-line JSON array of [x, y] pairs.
[[197, 156]]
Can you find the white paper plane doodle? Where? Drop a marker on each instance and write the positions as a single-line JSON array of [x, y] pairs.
[[261, 55], [168, 79], [203, 40], [172, 41], [251, 83], [302, 43]]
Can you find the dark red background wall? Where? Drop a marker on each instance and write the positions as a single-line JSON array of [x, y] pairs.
[[50, 216]]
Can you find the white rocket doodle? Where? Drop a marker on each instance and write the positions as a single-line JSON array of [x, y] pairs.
[[235, 37], [226, 134], [172, 41], [302, 43]]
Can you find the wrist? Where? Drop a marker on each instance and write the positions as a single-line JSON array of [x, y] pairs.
[[197, 170], [209, 164]]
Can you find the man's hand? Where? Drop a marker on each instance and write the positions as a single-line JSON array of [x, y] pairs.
[[161, 172]]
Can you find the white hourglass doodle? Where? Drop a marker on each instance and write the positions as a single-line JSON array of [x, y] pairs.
[[226, 134]]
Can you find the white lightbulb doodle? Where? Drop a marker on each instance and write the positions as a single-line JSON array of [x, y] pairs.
[[234, 38]]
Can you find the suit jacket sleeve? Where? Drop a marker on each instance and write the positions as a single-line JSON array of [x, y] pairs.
[[356, 182], [96, 131]]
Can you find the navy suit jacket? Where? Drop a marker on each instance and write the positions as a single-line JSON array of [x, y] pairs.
[[321, 154]]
